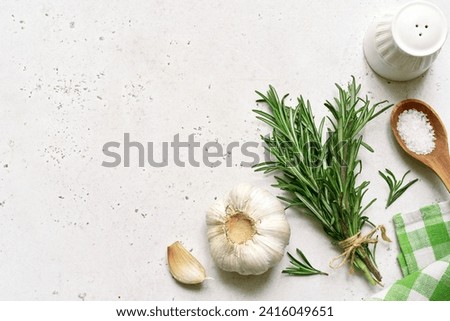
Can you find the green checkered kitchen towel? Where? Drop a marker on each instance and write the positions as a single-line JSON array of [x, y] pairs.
[[424, 239]]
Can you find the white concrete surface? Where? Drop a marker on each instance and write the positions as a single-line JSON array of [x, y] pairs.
[[77, 74]]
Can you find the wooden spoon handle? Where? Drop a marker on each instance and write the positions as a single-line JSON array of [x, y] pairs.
[[441, 165]]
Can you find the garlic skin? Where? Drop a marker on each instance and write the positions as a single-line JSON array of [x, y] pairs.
[[183, 266], [247, 230]]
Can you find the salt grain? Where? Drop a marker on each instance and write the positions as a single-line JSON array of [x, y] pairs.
[[416, 131]]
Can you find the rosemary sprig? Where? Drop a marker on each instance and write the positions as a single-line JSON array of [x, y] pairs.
[[301, 268], [320, 175], [395, 186]]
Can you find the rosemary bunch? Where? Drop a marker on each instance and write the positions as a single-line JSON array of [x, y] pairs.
[[320, 173]]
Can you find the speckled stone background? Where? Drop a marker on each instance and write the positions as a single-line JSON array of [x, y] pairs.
[[77, 74]]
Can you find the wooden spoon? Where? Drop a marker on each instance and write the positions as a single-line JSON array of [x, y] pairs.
[[438, 160]]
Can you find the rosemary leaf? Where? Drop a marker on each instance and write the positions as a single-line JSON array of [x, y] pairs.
[[395, 186], [299, 268]]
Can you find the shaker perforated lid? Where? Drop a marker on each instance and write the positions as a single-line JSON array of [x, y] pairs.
[[419, 28]]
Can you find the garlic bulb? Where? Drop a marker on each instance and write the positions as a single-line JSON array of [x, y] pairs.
[[247, 230], [183, 266]]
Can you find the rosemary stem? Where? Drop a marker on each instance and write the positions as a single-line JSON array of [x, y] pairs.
[[363, 267], [368, 262]]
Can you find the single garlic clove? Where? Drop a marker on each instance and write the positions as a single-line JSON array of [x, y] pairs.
[[183, 266]]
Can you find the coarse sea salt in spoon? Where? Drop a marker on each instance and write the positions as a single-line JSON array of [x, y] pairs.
[[421, 133], [416, 131]]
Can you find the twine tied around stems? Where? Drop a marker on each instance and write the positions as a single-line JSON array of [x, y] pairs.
[[351, 244]]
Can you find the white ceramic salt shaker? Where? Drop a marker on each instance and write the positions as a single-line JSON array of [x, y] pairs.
[[402, 45]]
